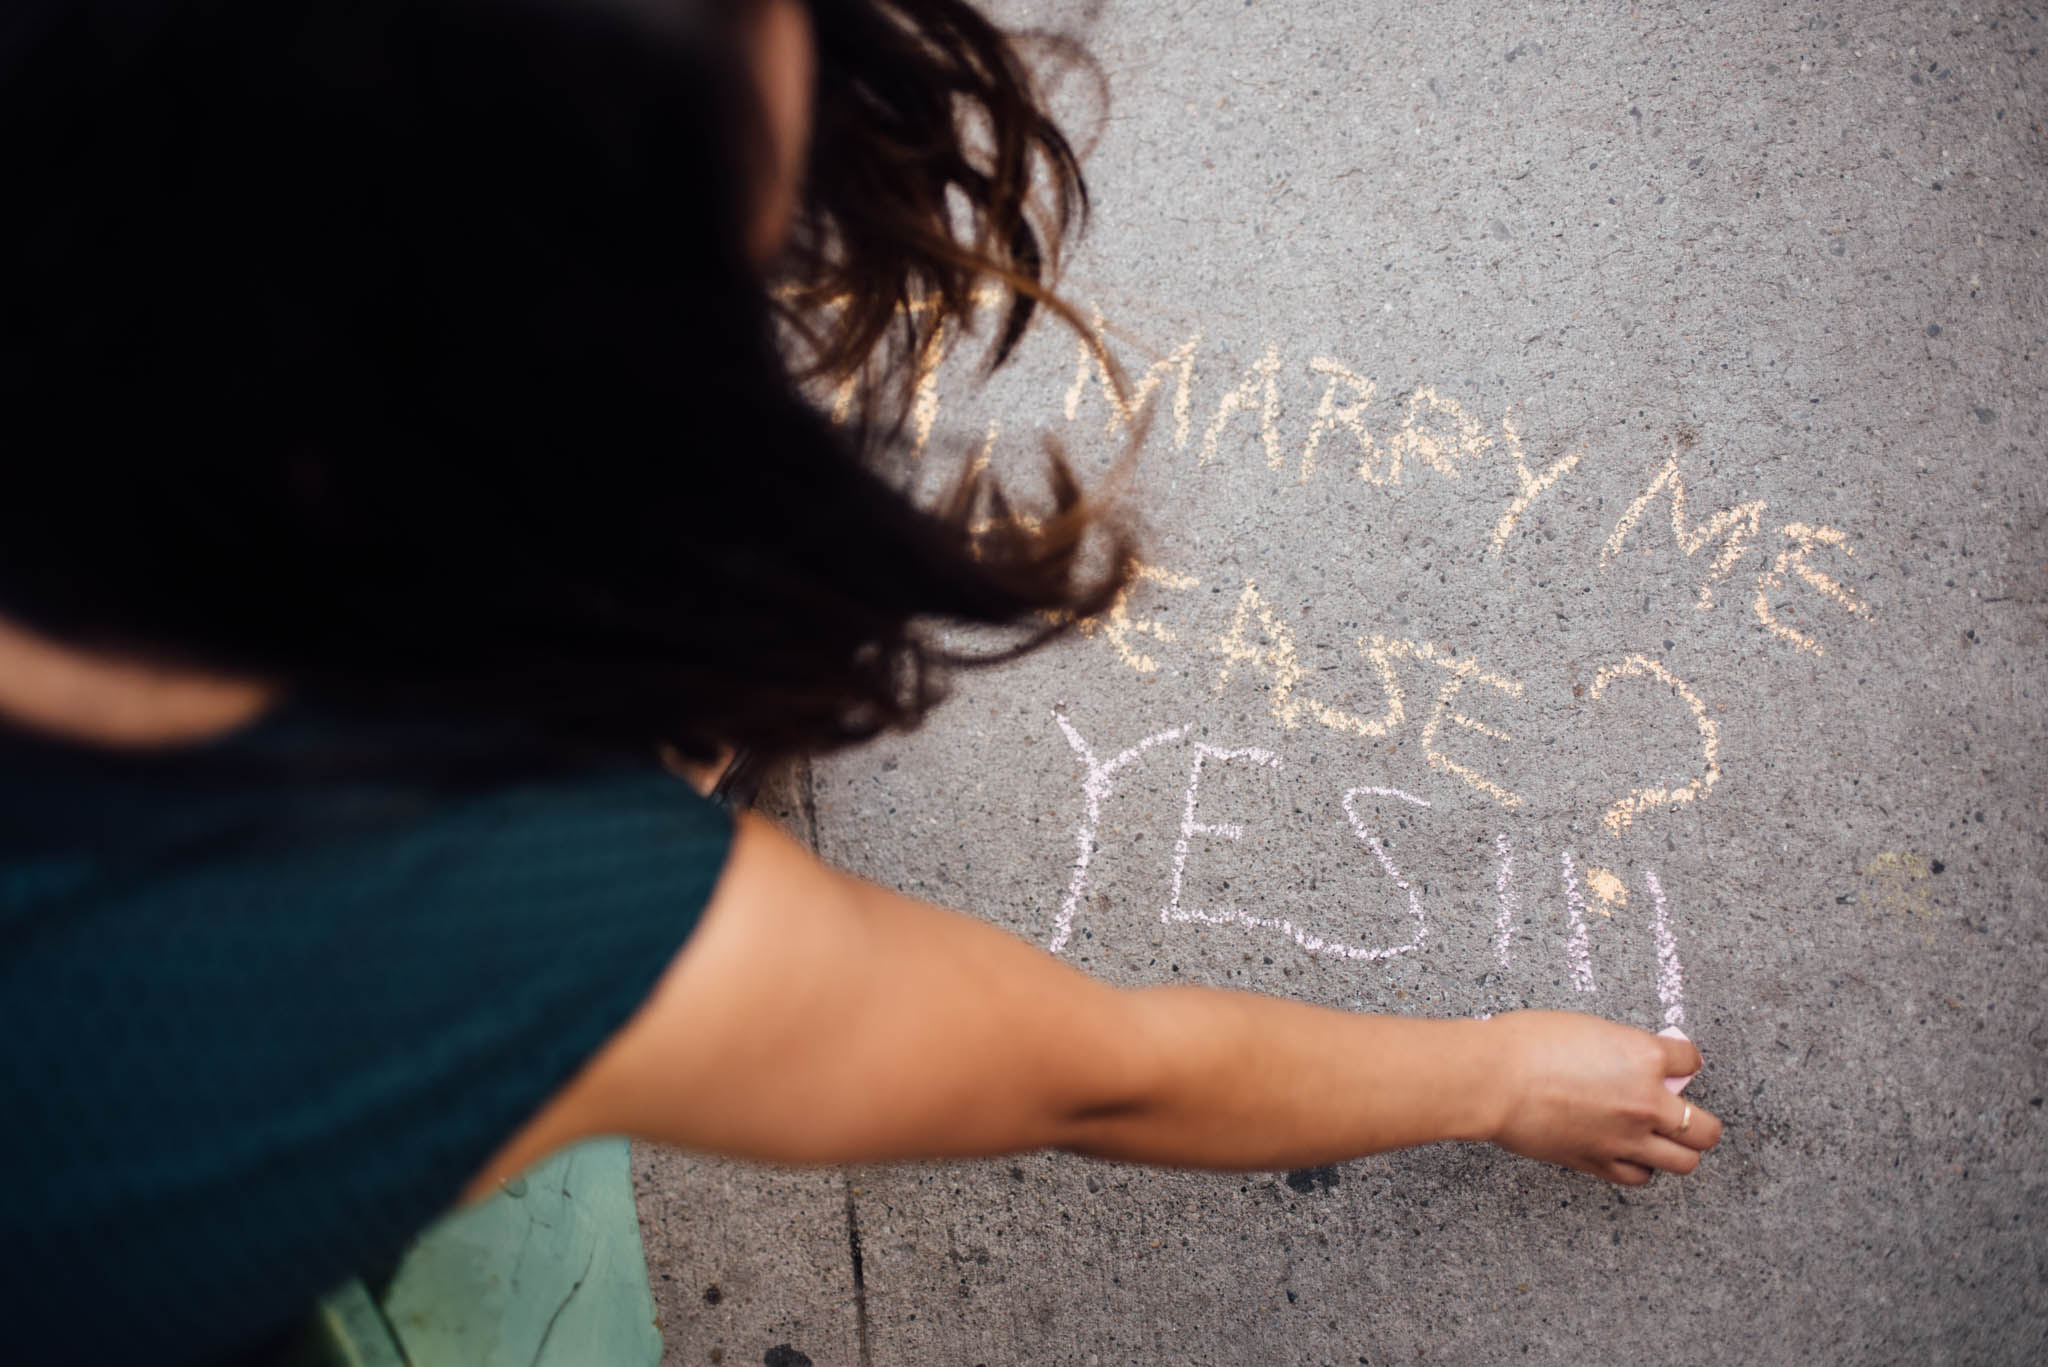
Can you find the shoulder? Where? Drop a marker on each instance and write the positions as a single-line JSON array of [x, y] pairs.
[[775, 928]]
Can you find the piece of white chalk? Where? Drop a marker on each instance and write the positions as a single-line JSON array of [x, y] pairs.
[[1677, 1084]]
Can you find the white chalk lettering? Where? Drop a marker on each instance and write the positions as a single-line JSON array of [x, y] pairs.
[[1509, 900], [1190, 828], [1575, 951], [1095, 790], [1670, 979]]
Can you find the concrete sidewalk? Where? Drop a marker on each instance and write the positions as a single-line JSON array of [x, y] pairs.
[[1594, 508]]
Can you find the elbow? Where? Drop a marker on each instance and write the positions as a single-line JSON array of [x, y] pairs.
[[1128, 1083]]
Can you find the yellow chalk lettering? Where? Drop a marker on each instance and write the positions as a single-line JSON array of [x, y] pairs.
[[1735, 527], [925, 401], [1258, 389], [842, 398], [1529, 484], [988, 448], [1806, 540], [1331, 415], [1124, 408], [924, 404], [1118, 626], [1462, 671], [1439, 431], [1623, 812], [1608, 890], [1273, 655], [1381, 653]]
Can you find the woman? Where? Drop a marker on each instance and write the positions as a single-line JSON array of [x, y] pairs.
[[410, 474]]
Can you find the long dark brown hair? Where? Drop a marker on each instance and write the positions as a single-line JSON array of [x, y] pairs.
[[407, 352], [919, 102]]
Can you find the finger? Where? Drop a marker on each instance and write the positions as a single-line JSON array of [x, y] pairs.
[[1681, 1057], [1667, 1155], [1701, 1129], [1625, 1173]]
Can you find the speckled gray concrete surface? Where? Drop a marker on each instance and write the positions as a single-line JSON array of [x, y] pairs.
[[1621, 432]]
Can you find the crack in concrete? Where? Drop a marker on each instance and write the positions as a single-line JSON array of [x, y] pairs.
[[555, 1318], [860, 1280]]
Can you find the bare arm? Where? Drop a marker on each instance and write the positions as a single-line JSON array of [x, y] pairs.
[[814, 1017]]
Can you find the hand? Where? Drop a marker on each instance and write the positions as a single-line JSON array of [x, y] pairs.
[[1590, 1094]]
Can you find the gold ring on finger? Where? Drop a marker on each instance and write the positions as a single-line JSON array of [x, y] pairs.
[[1684, 1121]]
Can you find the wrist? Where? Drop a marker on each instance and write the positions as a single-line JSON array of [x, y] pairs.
[[1483, 1101]]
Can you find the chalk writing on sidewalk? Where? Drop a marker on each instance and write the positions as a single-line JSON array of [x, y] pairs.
[[1256, 641], [1296, 924], [1424, 433]]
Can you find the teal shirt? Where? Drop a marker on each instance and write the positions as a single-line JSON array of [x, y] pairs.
[[269, 1003]]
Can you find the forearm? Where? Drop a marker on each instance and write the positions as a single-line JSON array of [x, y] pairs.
[[1242, 1081]]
